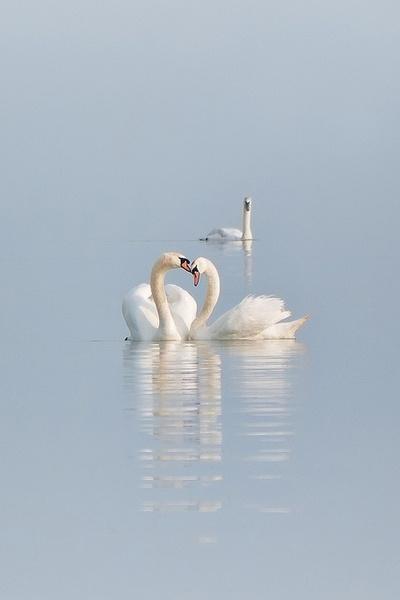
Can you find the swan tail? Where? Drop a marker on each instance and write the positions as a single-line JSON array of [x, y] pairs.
[[284, 331], [214, 233]]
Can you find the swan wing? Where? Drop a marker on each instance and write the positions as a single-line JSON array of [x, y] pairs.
[[248, 319], [223, 234], [140, 313], [183, 308], [141, 316]]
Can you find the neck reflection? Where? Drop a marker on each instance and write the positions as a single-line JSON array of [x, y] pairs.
[[177, 391]]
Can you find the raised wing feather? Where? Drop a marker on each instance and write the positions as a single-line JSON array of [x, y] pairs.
[[249, 318]]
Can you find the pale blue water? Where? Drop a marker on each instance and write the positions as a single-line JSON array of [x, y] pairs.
[[198, 469], [214, 470]]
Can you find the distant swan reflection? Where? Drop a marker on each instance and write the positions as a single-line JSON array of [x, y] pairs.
[[177, 391], [232, 247]]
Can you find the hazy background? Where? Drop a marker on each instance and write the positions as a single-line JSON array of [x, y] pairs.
[[124, 124], [149, 120], [186, 106]]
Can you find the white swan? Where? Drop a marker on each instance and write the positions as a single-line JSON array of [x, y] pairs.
[[227, 234], [255, 317], [158, 312]]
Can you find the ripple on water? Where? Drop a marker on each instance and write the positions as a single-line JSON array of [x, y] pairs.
[[179, 391]]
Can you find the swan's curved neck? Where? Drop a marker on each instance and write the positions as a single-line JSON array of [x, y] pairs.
[[247, 234], [212, 295], [167, 327]]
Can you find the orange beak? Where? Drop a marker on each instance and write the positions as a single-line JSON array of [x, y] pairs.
[[185, 264], [196, 276]]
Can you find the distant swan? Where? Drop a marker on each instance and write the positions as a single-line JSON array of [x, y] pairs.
[[255, 317], [227, 234], [158, 312]]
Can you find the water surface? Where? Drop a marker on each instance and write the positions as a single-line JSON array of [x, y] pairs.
[[192, 471], [207, 469]]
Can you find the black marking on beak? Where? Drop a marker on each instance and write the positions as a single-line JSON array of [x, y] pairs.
[[247, 203], [185, 263], [196, 276]]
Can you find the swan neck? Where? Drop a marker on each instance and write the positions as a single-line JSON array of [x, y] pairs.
[[166, 322], [212, 295], [247, 234]]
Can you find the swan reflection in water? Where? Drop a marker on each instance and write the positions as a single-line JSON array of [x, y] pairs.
[[177, 391], [229, 248], [177, 388], [262, 388]]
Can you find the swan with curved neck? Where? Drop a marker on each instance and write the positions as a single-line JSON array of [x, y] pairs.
[[255, 317], [229, 234], [159, 312]]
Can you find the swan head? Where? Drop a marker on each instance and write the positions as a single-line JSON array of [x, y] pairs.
[[198, 267], [176, 260], [247, 204]]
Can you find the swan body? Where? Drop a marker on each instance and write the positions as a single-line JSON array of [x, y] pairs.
[[227, 234], [157, 312], [255, 317], [224, 234]]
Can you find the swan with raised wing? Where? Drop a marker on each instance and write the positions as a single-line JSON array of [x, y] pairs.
[[160, 312], [229, 234], [255, 317]]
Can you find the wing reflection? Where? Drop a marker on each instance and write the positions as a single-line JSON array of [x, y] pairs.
[[178, 390], [261, 380]]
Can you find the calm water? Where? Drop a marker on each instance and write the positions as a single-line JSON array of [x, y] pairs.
[[193, 470], [199, 471]]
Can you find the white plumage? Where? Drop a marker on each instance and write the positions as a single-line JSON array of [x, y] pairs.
[[140, 313], [224, 234], [156, 311], [230, 234], [255, 317]]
